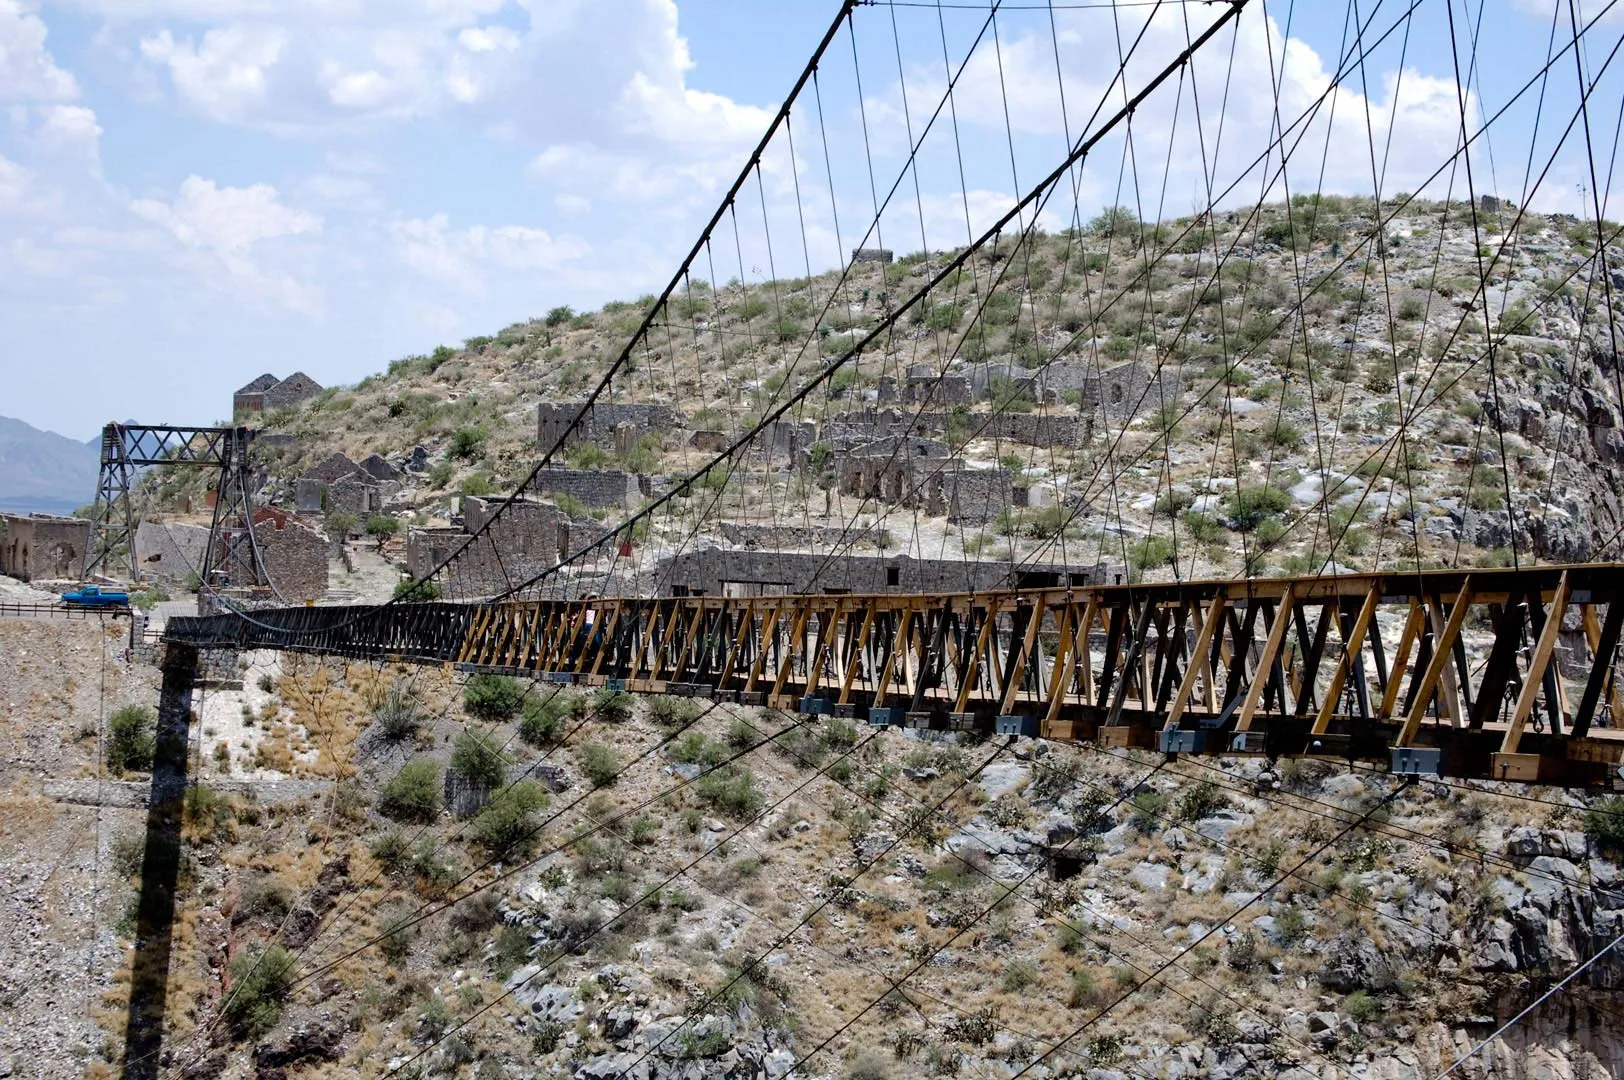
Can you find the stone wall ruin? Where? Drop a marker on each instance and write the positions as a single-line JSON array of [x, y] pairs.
[[43, 547]]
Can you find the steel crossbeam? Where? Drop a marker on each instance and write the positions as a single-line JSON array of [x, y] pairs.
[[1502, 674]]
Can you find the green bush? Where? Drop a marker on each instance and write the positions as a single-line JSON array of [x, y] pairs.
[[1284, 435], [732, 790], [398, 718], [695, 749], [1250, 507], [410, 591], [492, 698], [599, 764], [1201, 800], [1149, 553], [1604, 825], [1203, 527], [130, 743], [392, 852], [614, 706], [466, 441], [260, 983], [477, 760], [264, 896], [543, 723], [507, 824], [414, 793], [398, 936], [1146, 808], [673, 712], [381, 525]]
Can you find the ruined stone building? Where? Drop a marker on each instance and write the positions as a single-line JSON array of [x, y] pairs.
[[918, 474], [268, 392], [594, 487], [529, 537], [294, 557], [600, 423], [761, 573], [170, 552], [338, 485], [1043, 429], [42, 547], [1122, 391]]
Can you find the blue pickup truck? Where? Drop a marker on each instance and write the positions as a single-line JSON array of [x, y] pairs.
[[96, 596]]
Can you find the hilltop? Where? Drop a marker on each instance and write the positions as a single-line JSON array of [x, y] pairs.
[[1310, 388]]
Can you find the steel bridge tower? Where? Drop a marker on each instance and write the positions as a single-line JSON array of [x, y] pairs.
[[232, 555]]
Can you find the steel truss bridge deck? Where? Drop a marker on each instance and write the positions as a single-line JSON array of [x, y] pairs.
[[1283, 667]]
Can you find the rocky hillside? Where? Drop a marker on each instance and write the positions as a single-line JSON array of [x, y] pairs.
[[1333, 399], [663, 889]]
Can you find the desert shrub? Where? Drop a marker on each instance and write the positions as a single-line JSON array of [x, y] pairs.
[[209, 814], [466, 441], [1085, 989], [673, 712], [1018, 975], [492, 698], [1291, 925], [128, 850], [507, 824], [399, 934], [411, 591], [1151, 552], [398, 718], [130, 742], [599, 764], [695, 749], [1200, 800], [260, 982], [1284, 435], [1146, 808], [732, 790], [1361, 1006], [415, 793], [543, 722], [1250, 507], [1244, 952], [477, 760], [393, 852], [839, 734], [1604, 825], [614, 706], [264, 896], [1203, 527], [868, 1065]]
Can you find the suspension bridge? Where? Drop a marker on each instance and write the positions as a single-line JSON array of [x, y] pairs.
[[1434, 657]]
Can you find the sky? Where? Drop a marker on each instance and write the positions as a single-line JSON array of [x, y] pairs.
[[193, 192]]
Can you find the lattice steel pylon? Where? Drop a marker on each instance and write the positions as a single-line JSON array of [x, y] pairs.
[[232, 555]]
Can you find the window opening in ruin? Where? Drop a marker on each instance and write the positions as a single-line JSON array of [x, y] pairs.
[[893, 575]]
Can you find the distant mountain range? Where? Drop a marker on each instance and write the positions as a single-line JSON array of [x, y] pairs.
[[42, 472]]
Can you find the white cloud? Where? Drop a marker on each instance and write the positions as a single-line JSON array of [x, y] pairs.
[[69, 131], [226, 219], [13, 183], [463, 257], [27, 71], [225, 75], [484, 39]]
